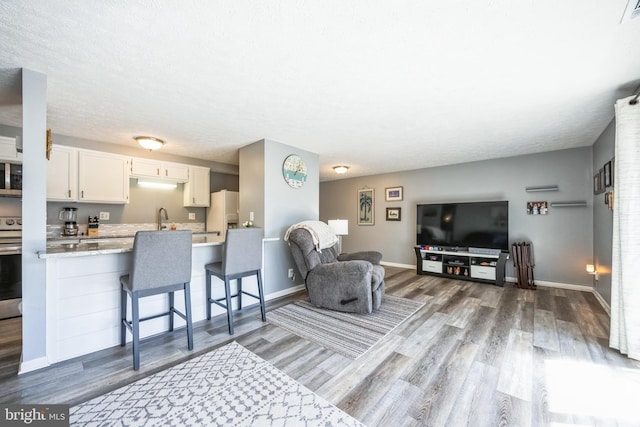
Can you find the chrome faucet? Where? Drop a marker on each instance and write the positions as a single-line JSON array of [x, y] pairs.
[[159, 218]]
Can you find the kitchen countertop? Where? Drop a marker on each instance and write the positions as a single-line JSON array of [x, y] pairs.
[[84, 246]]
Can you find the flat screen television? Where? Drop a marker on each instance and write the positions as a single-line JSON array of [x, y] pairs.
[[459, 226]]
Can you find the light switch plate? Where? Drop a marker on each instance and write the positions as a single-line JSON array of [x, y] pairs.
[[192, 215]]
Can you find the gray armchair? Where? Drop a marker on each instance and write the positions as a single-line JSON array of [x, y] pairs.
[[346, 282]]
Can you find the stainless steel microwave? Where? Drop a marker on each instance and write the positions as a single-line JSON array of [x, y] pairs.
[[10, 179]]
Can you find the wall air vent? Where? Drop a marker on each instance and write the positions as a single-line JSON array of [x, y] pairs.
[[632, 10]]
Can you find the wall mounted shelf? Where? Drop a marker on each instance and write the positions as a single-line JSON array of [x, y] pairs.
[[542, 188], [575, 204]]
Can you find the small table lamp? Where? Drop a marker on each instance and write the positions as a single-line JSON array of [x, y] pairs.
[[591, 269], [341, 228]]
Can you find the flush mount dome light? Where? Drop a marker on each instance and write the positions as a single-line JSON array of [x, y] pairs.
[[149, 142], [341, 169]]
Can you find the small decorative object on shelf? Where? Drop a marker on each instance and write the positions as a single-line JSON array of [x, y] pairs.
[[247, 224]]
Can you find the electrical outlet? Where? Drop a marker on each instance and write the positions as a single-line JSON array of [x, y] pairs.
[[104, 216], [250, 216], [192, 215], [290, 274]]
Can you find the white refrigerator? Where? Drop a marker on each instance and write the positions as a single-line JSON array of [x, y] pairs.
[[223, 212]]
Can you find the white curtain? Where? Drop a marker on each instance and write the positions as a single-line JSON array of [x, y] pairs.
[[625, 275]]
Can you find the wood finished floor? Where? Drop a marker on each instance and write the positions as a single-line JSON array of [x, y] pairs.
[[474, 355]]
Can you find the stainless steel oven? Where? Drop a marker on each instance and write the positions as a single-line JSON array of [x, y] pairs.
[[10, 267], [10, 179]]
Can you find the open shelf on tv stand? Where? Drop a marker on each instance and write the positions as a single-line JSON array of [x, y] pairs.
[[486, 268]]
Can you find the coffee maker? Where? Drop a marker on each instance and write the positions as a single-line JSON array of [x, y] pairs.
[[69, 215]]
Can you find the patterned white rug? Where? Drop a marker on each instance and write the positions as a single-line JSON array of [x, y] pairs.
[[229, 386]]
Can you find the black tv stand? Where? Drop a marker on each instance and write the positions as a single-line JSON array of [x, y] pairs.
[[487, 268]]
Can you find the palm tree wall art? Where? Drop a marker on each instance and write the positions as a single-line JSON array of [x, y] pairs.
[[365, 206]]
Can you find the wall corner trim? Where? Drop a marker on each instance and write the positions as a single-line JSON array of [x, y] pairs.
[[32, 365]]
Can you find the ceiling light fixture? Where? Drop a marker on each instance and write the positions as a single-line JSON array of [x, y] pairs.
[[149, 142], [341, 169]]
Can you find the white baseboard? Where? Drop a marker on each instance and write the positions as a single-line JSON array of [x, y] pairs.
[[559, 285], [582, 288], [395, 264], [32, 365], [602, 302], [284, 292]]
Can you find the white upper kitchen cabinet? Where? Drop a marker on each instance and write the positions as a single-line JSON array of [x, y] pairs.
[[176, 171], [146, 168], [62, 174], [103, 177], [196, 190], [9, 150]]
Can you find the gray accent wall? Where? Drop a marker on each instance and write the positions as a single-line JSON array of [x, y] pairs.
[[603, 151], [276, 206], [562, 239]]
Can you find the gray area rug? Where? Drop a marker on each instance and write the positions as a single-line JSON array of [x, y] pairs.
[[229, 386], [348, 334]]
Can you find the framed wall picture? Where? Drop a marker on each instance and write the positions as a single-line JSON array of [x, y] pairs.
[[366, 206], [537, 208], [596, 183], [393, 214], [608, 175], [393, 194], [601, 173], [613, 172], [608, 199]]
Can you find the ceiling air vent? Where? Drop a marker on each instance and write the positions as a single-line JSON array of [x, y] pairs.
[[632, 10]]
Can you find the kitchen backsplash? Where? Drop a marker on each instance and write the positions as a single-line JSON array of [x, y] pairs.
[[122, 230]]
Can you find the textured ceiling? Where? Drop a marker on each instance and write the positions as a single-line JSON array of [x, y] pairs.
[[380, 86]]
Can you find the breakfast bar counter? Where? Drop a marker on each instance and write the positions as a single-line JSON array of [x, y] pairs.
[[83, 293], [67, 248]]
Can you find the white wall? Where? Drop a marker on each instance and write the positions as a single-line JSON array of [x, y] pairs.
[[34, 124]]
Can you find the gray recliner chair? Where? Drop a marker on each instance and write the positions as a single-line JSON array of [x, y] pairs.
[[347, 282]]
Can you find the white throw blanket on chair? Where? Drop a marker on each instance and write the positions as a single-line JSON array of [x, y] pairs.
[[322, 235]]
